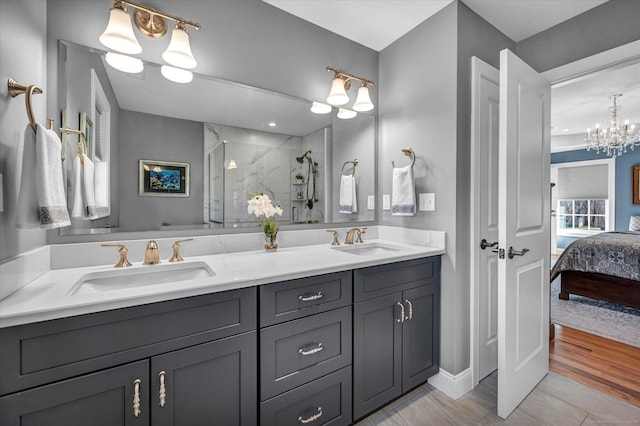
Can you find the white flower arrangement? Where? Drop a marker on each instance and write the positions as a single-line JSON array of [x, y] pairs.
[[261, 206]]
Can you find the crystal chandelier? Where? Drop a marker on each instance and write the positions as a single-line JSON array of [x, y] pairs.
[[615, 139]]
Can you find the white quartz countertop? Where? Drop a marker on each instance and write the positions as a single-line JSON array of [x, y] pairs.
[[51, 296]]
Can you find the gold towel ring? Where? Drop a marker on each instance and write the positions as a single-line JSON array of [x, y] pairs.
[[409, 153], [353, 171], [16, 89]]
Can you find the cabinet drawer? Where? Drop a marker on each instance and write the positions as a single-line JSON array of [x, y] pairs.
[[376, 281], [325, 401], [299, 351], [294, 299], [44, 352]]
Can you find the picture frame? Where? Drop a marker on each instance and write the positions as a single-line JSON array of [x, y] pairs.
[[163, 178], [86, 127], [635, 178]]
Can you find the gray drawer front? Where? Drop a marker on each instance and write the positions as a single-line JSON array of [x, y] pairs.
[[299, 351], [294, 299], [43, 352], [327, 399], [376, 281]]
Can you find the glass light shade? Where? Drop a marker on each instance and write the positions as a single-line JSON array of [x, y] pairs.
[[346, 114], [179, 51], [119, 33], [124, 63], [363, 101], [338, 95], [232, 165], [176, 75], [320, 108]]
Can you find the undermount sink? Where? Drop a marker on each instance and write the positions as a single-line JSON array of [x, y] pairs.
[[123, 278], [366, 249]]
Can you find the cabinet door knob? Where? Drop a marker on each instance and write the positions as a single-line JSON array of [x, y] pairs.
[[410, 317], [314, 350], [312, 418], [163, 390], [401, 319], [136, 397]]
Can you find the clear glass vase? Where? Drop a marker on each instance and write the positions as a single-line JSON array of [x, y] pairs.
[[271, 242]]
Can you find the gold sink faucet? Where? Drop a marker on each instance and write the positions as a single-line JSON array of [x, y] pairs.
[[151, 254], [335, 237], [176, 250], [123, 262], [357, 232]]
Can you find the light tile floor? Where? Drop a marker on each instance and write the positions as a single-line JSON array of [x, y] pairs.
[[556, 401]]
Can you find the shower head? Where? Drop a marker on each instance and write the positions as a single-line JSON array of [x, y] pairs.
[[303, 156]]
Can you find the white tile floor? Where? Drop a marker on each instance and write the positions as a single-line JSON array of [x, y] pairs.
[[556, 401]]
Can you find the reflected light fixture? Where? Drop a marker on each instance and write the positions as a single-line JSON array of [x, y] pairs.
[[124, 63], [615, 139], [119, 35], [320, 108], [231, 164], [341, 84], [346, 114], [177, 75]]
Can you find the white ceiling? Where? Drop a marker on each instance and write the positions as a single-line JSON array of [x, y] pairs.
[[378, 23]]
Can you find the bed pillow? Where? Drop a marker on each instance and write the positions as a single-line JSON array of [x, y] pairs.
[[634, 223]]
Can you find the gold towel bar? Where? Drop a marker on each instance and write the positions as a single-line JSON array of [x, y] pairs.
[[16, 89], [409, 153], [353, 170]]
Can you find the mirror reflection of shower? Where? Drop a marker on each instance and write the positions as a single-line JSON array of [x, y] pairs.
[[312, 173]]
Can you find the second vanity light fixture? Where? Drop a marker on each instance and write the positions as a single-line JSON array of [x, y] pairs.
[[338, 95], [151, 22]]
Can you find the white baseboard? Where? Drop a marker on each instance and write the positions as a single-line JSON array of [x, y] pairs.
[[454, 386]]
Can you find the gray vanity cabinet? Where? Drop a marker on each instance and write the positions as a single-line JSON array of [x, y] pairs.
[[88, 369], [396, 324]]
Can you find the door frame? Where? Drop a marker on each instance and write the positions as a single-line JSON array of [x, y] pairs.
[[617, 57]]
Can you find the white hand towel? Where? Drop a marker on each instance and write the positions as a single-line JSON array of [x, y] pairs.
[[84, 199], [348, 202], [42, 202], [403, 200]]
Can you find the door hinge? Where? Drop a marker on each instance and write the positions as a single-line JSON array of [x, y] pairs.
[[501, 253]]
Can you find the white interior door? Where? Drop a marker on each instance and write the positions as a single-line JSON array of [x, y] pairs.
[[484, 201], [523, 222]]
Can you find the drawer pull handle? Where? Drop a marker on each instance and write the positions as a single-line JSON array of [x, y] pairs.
[[163, 389], [311, 297], [312, 351], [136, 397], [401, 319], [312, 418], [410, 317]]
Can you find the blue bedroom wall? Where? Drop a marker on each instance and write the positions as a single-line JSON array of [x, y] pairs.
[[624, 200]]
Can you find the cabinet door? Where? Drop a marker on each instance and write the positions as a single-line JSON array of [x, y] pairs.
[[420, 335], [207, 384], [377, 353], [105, 398]]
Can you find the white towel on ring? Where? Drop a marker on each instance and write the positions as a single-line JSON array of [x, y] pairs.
[[84, 199], [348, 201], [41, 202], [403, 198]]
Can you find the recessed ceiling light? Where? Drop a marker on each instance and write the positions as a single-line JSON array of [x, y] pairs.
[[565, 130], [272, 124]]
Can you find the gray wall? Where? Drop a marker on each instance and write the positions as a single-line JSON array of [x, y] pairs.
[[151, 137], [23, 56]]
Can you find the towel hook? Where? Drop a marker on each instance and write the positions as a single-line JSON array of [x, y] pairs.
[[16, 89], [409, 153], [82, 142], [353, 171]]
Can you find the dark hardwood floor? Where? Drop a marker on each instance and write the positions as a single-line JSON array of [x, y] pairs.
[[605, 365]]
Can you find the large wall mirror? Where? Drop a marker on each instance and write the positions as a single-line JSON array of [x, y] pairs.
[[235, 139]]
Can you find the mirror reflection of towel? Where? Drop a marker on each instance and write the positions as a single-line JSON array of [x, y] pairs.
[[84, 199], [348, 202], [403, 193]]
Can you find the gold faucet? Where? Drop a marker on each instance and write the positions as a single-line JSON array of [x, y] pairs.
[[151, 255], [123, 262], [335, 237], [357, 232], [176, 250], [360, 232]]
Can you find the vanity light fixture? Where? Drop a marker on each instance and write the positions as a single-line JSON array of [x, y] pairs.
[[341, 84], [151, 22], [320, 108], [346, 114]]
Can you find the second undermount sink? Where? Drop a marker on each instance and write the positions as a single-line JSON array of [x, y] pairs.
[[123, 278], [367, 249]]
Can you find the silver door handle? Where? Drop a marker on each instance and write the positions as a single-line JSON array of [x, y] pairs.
[[310, 297], [410, 317], [163, 389], [484, 244], [401, 319], [317, 348], [513, 252], [136, 397], [312, 418]]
